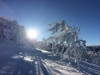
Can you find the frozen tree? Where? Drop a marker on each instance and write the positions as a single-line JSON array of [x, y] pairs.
[[67, 36], [16, 29], [21, 37], [19, 34], [60, 32], [5, 29], [11, 30], [45, 44]]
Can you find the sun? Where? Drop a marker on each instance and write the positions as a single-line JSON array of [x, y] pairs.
[[32, 34]]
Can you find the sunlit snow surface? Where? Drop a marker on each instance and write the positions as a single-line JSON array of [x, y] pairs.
[[39, 59], [58, 67], [28, 58]]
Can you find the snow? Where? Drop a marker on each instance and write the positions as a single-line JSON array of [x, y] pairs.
[[20, 60], [58, 67], [29, 61], [23, 58]]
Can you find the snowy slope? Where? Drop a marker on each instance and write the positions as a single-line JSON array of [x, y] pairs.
[[24, 61], [55, 66]]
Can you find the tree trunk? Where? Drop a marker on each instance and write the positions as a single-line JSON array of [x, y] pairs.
[[76, 54]]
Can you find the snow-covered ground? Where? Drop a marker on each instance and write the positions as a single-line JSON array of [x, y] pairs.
[[55, 66], [15, 60], [18, 60]]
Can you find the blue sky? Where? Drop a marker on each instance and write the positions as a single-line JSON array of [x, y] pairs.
[[38, 13]]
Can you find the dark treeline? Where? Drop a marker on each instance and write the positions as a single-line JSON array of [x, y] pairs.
[[94, 48]]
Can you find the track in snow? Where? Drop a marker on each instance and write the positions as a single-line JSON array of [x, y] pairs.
[[19, 66]]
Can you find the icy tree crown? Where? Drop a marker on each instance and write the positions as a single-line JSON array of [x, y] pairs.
[[62, 32]]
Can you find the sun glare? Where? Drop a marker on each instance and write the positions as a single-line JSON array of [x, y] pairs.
[[32, 34]]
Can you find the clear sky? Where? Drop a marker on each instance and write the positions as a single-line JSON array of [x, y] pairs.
[[38, 13]]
